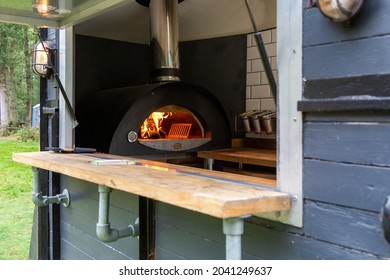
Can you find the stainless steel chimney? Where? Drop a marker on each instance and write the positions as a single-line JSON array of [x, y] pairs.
[[164, 39]]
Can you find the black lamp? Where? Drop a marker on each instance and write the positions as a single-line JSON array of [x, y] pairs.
[[42, 65]]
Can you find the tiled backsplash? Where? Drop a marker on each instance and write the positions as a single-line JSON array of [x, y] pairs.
[[258, 92]]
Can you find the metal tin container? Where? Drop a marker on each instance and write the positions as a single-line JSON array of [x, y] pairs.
[[245, 121], [268, 123], [255, 120]]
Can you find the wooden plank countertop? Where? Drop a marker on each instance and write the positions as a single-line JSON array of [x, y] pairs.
[[255, 156], [214, 193]]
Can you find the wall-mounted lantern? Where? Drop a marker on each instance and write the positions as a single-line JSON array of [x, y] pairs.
[[337, 10], [42, 65], [40, 59]]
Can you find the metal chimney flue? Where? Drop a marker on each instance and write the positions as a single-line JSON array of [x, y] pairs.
[[164, 40]]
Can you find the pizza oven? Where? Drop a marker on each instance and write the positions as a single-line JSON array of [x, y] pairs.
[[164, 117], [158, 118]]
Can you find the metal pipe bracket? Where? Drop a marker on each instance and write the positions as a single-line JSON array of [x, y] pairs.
[[62, 198]]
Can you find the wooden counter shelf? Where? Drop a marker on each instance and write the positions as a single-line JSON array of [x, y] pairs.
[[218, 194], [223, 195]]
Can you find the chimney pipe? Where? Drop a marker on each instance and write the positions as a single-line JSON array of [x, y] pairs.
[[164, 40]]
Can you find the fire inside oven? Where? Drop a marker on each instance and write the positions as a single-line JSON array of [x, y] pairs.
[[171, 128]]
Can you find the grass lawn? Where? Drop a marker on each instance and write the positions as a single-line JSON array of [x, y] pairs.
[[16, 207]]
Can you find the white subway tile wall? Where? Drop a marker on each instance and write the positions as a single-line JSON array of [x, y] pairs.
[[258, 92]]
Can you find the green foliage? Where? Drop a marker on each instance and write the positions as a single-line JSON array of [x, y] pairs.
[[27, 134], [11, 46], [16, 207]]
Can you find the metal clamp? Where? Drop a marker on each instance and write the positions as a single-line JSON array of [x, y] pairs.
[[42, 200]]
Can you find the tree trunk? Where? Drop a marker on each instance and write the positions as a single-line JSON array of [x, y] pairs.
[[8, 102], [13, 115], [3, 111], [29, 83]]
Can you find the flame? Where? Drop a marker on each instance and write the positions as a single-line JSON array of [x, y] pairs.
[[152, 126]]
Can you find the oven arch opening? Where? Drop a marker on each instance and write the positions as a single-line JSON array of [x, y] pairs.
[[172, 128]]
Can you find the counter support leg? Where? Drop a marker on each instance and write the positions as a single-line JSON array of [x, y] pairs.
[[208, 163], [233, 228]]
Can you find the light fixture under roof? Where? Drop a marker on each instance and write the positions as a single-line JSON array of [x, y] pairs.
[[51, 8]]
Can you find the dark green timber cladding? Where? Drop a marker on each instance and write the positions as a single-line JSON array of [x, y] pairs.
[[184, 234], [78, 223], [346, 161], [347, 67], [346, 167]]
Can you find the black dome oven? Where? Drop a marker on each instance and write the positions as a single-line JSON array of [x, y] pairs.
[[191, 118]]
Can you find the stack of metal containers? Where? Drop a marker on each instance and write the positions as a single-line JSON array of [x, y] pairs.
[[259, 121]]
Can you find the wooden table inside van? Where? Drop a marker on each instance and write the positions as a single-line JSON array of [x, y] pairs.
[[255, 156], [230, 197]]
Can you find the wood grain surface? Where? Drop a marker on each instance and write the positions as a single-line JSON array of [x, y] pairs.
[[214, 193]]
